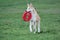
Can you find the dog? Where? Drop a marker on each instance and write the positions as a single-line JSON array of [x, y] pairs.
[[35, 20]]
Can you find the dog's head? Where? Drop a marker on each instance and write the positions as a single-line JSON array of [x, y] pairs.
[[30, 7]]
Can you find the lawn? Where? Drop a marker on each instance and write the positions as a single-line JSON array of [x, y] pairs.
[[12, 27]]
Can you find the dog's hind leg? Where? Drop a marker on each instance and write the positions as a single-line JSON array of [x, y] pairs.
[[34, 27]]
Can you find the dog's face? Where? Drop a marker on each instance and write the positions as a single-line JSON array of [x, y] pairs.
[[29, 7]]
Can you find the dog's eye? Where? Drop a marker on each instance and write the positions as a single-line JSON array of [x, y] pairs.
[[33, 10]]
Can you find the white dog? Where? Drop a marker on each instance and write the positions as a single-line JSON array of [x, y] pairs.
[[35, 20]]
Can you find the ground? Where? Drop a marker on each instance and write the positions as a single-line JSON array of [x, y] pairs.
[[12, 27]]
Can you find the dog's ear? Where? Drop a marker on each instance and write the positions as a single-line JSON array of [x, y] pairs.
[[27, 5], [31, 5]]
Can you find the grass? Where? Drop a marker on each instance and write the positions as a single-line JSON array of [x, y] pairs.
[[12, 27]]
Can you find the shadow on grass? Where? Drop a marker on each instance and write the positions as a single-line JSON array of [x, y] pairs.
[[50, 31]]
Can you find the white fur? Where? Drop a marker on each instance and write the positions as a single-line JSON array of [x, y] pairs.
[[35, 20]]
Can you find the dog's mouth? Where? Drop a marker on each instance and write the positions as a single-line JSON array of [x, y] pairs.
[[27, 11]]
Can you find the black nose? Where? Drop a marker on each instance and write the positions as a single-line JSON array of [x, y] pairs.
[[29, 11]]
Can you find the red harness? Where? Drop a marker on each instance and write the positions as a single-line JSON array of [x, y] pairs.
[[27, 16]]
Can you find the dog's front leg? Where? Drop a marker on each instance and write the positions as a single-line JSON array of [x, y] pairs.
[[30, 26], [38, 26]]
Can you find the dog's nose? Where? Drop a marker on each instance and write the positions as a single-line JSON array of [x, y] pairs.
[[29, 11]]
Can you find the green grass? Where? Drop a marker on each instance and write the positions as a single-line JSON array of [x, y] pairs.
[[12, 27]]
